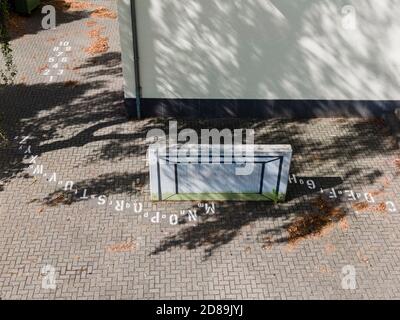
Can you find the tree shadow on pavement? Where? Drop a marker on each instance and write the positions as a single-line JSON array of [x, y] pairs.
[[307, 212], [56, 116], [104, 185]]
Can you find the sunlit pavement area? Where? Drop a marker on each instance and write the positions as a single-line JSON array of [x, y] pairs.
[[336, 236]]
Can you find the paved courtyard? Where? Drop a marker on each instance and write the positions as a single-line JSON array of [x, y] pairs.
[[76, 217]]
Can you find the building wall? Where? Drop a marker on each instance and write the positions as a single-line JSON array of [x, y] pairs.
[[125, 32], [266, 49]]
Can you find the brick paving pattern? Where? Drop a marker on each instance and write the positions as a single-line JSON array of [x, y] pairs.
[[79, 131]]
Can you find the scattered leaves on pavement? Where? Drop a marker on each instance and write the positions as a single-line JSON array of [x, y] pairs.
[[122, 247]]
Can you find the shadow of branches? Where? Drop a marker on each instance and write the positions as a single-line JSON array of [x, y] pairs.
[[57, 117], [105, 184], [307, 219], [334, 161]]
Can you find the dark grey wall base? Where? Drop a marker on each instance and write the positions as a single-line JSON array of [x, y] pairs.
[[262, 109]]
